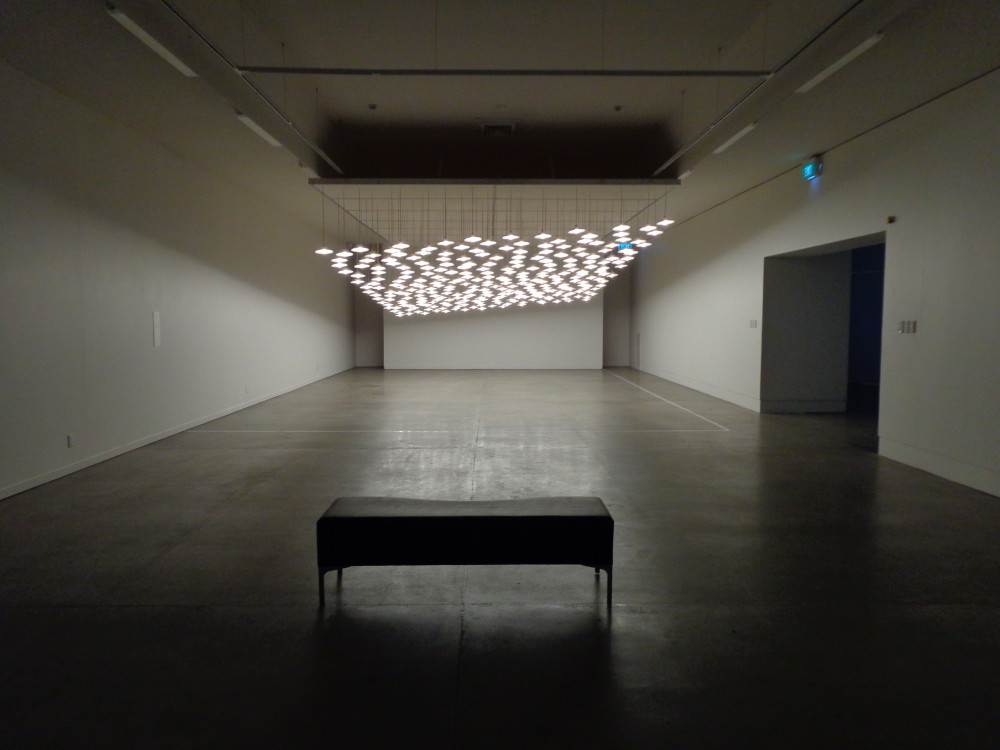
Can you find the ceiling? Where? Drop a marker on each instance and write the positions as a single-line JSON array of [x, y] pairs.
[[508, 89], [564, 107]]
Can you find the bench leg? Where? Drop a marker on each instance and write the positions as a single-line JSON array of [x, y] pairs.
[[609, 591], [322, 585]]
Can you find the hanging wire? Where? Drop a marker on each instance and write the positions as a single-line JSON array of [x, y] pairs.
[[243, 34], [493, 214], [763, 43], [284, 78], [322, 214]]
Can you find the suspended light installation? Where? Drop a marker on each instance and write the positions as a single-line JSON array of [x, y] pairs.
[[481, 274], [441, 282]]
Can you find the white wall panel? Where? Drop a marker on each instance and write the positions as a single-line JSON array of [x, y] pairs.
[[805, 333], [618, 320], [102, 228], [535, 337]]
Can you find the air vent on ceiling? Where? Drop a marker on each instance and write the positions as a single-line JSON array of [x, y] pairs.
[[498, 129]]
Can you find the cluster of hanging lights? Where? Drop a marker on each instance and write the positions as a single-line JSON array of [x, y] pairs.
[[480, 273]]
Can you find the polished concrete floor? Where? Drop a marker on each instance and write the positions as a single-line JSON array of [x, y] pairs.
[[777, 584]]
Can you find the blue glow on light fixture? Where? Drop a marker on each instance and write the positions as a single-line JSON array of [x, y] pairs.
[[812, 168]]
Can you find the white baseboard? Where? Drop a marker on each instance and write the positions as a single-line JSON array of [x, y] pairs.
[[65, 470], [977, 477], [802, 406]]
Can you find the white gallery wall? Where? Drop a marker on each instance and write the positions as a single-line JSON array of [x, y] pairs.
[[934, 170], [618, 320], [805, 346], [368, 344], [534, 337], [139, 293]]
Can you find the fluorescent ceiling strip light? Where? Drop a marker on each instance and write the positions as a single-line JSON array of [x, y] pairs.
[[257, 128], [735, 138], [866, 45], [143, 36]]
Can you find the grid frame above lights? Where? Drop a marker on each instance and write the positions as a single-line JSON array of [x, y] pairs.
[[421, 251]]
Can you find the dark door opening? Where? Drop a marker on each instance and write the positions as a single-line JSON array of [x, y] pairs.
[[865, 338]]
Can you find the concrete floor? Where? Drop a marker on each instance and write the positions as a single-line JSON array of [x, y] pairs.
[[776, 583]]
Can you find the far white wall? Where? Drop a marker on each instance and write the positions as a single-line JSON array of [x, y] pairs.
[[618, 320], [805, 333], [535, 337], [105, 232], [935, 171], [368, 337]]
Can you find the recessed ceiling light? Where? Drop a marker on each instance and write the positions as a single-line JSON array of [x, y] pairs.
[[735, 138], [143, 36], [866, 45], [257, 129]]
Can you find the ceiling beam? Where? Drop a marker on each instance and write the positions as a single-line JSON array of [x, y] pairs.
[[491, 181], [518, 72]]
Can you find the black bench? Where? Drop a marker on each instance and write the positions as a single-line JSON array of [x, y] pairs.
[[402, 531]]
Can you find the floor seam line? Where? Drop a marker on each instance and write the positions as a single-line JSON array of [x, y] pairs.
[[666, 400]]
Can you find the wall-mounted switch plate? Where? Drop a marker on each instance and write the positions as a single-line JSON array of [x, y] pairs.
[[907, 326]]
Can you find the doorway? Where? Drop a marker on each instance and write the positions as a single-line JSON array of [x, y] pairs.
[[821, 343]]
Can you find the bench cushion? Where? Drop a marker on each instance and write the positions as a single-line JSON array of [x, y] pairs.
[[404, 531]]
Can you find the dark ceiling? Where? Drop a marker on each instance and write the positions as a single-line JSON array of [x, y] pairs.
[[587, 89], [582, 91]]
